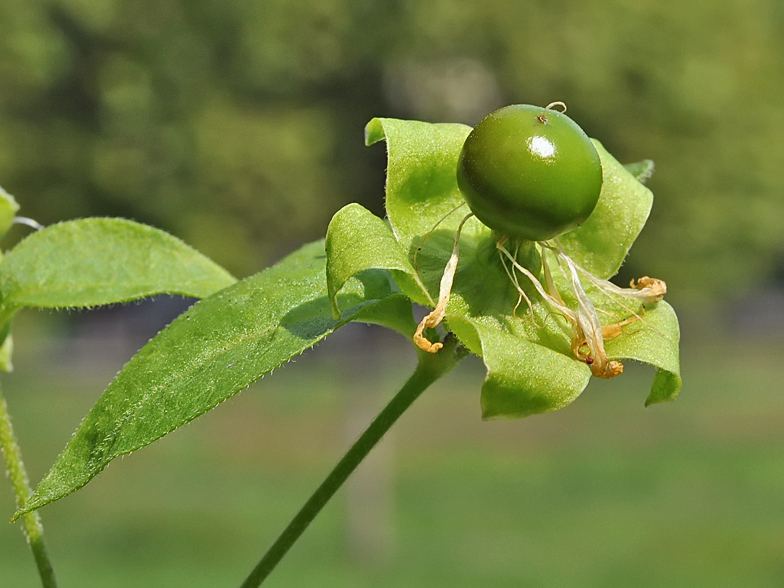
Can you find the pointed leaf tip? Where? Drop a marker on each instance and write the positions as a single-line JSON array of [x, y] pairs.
[[95, 261], [641, 170], [374, 132], [655, 340]]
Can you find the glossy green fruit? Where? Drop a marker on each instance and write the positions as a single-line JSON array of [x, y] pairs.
[[529, 173]]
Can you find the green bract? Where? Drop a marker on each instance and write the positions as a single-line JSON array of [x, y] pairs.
[[529, 172], [531, 363]]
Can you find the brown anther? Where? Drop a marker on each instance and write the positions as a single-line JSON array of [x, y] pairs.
[[656, 289], [431, 321], [609, 370]]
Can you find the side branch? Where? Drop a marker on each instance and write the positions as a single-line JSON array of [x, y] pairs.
[[32, 527]]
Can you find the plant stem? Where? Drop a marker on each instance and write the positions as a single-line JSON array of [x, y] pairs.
[[32, 527], [430, 368]]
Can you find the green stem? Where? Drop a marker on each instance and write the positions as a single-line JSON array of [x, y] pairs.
[[430, 368], [32, 526]]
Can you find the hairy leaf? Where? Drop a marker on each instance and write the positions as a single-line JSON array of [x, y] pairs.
[[421, 176], [424, 204], [212, 351], [96, 261], [357, 240]]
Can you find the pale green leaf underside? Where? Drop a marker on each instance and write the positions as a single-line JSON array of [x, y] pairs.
[[654, 340], [422, 191], [523, 378], [8, 210], [602, 242], [95, 261], [421, 176], [641, 170], [357, 240], [212, 351]]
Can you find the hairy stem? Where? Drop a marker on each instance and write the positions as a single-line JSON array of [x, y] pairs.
[[431, 367], [31, 522]]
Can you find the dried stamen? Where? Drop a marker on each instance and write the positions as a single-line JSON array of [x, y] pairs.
[[588, 333], [521, 293], [434, 319], [645, 290]]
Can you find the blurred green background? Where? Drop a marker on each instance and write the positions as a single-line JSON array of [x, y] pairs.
[[237, 126]]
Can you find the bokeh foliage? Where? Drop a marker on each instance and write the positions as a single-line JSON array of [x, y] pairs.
[[238, 125]]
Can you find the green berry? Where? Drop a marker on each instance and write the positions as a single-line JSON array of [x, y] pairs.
[[529, 173]]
